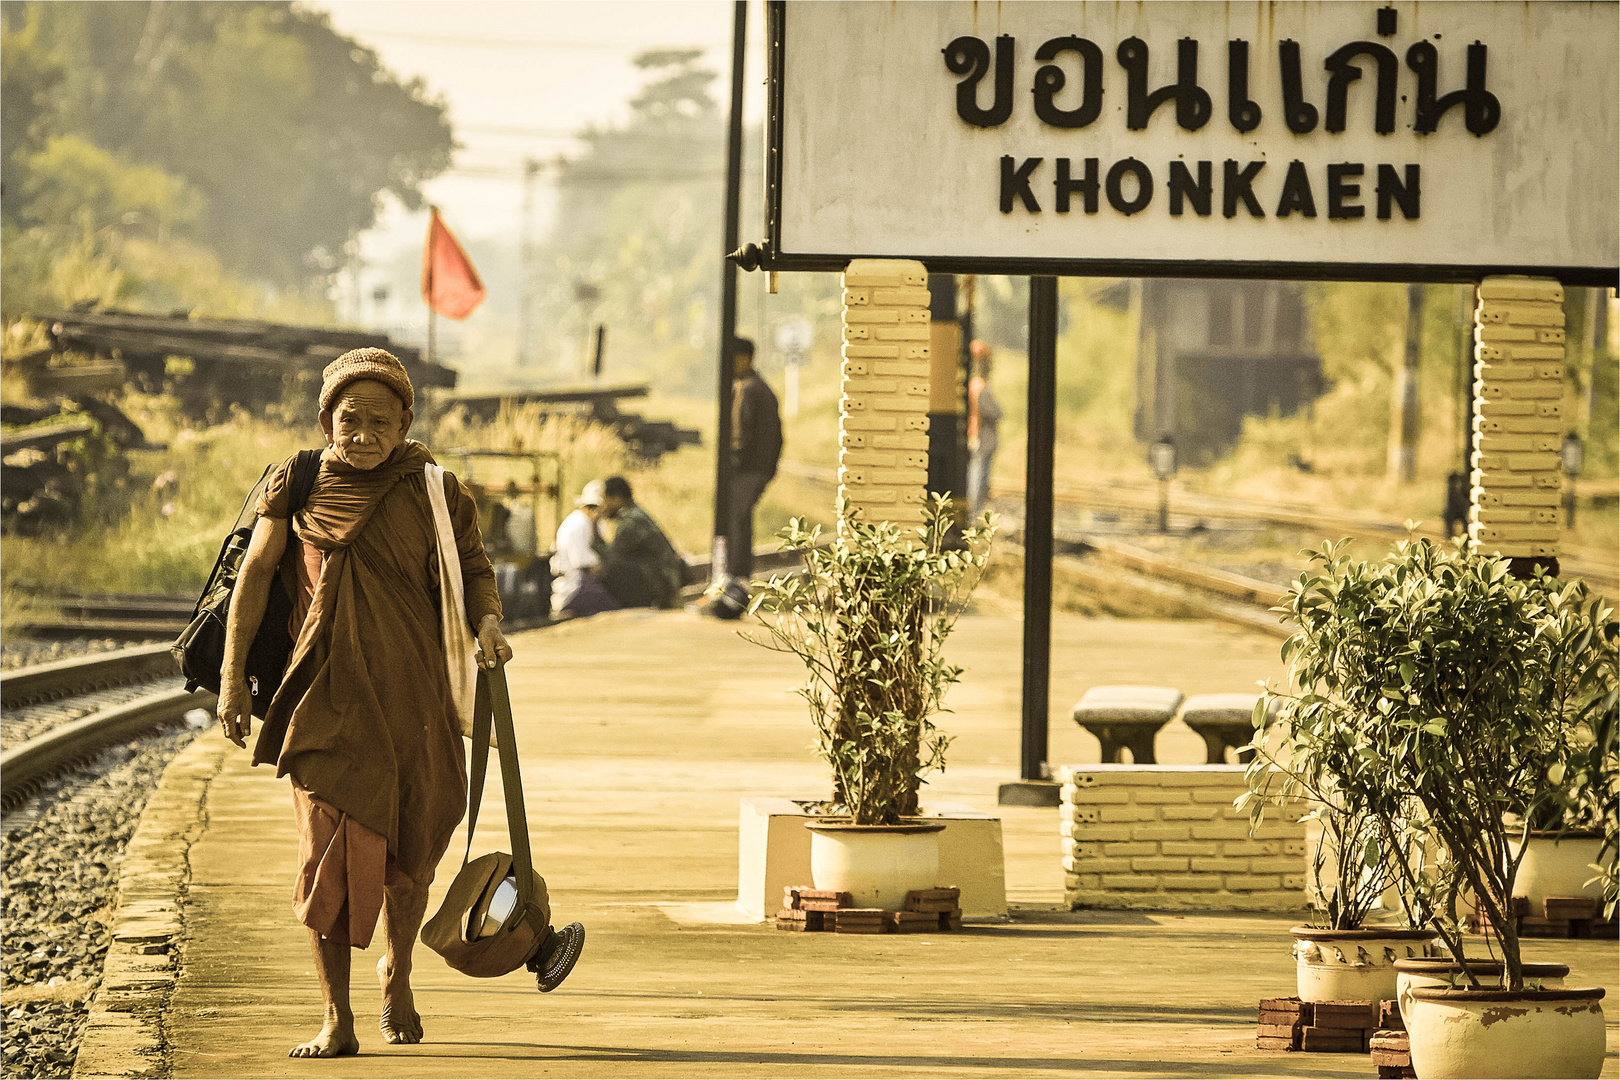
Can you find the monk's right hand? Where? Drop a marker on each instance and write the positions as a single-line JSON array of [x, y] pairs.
[[235, 709]]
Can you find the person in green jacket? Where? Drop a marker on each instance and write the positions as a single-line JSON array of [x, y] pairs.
[[640, 568]]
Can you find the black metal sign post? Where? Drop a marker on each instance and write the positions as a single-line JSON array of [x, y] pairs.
[[1042, 428], [728, 294]]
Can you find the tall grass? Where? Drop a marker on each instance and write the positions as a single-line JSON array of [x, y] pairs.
[[181, 500]]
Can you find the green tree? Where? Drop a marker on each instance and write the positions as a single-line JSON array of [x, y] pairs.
[[638, 225], [290, 133], [30, 77]]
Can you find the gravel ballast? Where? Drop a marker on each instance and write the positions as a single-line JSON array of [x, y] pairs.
[[62, 851]]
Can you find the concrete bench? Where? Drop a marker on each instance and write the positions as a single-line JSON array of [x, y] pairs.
[[1223, 720], [1127, 717]]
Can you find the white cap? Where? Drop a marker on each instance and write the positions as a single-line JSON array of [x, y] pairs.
[[594, 494]]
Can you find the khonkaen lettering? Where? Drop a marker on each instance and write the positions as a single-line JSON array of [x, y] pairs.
[[971, 58], [1245, 188]]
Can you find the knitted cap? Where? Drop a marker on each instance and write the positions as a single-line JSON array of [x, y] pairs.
[[359, 364]]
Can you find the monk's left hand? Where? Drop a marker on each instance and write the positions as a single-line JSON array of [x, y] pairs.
[[492, 646]]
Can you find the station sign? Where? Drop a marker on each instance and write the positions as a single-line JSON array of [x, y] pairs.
[[1406, 141]]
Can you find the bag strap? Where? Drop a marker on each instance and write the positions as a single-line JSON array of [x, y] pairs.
[[493, 704], [305, 468]]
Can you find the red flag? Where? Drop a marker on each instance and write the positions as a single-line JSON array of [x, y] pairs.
[[450, 285]]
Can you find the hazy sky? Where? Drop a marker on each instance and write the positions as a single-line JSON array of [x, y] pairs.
[[520, 76]]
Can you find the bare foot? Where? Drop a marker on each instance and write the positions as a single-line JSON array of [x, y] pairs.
[[400, 1022], [335, 1040]]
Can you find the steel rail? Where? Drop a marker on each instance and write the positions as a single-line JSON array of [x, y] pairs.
[[83, 674], [1248, 616], [1596, 566], [25, 766]]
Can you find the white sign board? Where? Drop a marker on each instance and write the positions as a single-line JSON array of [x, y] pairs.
[[1292, 139]]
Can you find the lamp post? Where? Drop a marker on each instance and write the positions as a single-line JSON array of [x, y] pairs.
[[1571, 454], [1162, 458]]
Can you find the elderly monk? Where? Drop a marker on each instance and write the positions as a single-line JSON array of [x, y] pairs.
[[364, 722]]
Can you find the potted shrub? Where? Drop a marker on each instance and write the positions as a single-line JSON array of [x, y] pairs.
[[1470, 692], [1304, 755], [1571, 845], [869, 617]]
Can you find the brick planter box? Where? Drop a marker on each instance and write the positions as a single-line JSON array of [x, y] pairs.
[[1165, 837]]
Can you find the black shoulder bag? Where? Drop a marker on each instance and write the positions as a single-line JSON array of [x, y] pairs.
[[200, 648]]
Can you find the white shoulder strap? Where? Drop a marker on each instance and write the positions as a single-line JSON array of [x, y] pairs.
[[456, 632]]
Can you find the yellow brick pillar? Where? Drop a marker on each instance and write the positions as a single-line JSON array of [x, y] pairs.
[[1518, 407], [883, 415]]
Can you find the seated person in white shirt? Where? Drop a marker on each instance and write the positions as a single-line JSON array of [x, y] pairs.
[[575, 590]]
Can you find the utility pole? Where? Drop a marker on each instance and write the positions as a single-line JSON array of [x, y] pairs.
[[1403, 435], [728, 294], [525, 347]]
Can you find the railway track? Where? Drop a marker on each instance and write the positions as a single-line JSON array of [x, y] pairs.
[[121, 617], [1597, 567], [69, 711]]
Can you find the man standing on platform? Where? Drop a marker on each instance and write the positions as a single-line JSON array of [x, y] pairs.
[[756, 448], [364, 722]]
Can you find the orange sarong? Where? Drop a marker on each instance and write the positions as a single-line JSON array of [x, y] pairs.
[[343, 868]]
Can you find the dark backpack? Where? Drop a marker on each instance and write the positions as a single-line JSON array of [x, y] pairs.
[[200, 648]]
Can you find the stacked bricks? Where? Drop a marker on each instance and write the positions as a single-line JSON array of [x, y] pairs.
[[1390, 1046], [1518, 397], [822, 911], [1167, 838], [1324, 1027], [1561, 917], [883, 415]]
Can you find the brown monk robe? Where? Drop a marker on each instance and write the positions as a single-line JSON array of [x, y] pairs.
[[365, 705], [363, 722]]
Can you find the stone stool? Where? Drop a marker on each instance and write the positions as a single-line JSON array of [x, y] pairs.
[[1127, 716], [1223, 720]]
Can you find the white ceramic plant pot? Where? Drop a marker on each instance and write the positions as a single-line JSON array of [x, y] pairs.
[[1558, 867], [876, 864], [1353, 965], [1437, 971], [1499, 1033]]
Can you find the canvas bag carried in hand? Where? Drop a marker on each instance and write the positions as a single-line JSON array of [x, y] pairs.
[[460, 646], [459, 931]]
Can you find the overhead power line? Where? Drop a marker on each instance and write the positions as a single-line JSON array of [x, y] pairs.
[[536, 43], [517, 129]]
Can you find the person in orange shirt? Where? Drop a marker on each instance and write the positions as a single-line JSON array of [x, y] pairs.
[[983, 422]]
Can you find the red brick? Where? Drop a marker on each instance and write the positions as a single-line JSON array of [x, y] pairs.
[[1356, 1015], [1389, 1017], [819, 905], [1288, 1004], [933, 901], [1569, 907], [1280, 1031], [1532, 926], [1289, 1018], [821, 894], [1270, 1042], [1332, 1040]]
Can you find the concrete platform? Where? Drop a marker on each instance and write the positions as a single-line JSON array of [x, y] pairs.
[[639, 734]]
